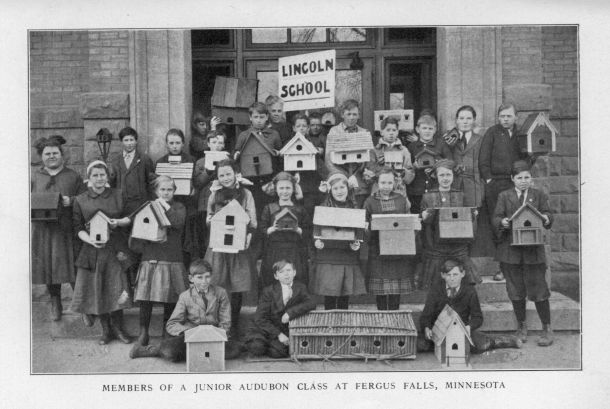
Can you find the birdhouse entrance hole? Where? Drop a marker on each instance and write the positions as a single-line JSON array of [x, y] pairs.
[[527, 223], [207, 354], [344, 156], [426, 162], [353, 343], [255, 160], [299, 147], [304, 344], [377, 343], [145, 220], [401, 344], [98, 237], [395, 224], [329, 343], [299, 164], [359, 156], [454, 347], [228, 239], [230, 220], [454, 215], [541, 142]]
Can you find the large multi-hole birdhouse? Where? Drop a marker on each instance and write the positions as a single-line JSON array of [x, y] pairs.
[[425, 158], [231, 99], [334, 223], [455, 223], [537, 134], [396, 232], [527, 226], [256, 157], [299, 154], [150, 222], [349, 147], [451, 340], [213, 157], [99, 228], [228, 229], [393, 159], [45, 206], [181, 173], [205, 348], [286, 220], [404, 117]]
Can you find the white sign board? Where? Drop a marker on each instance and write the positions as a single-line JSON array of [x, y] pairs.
[[307, 81], [405, 117]]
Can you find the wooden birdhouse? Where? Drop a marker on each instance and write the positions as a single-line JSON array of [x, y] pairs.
[[396, 232], [205, 348], [213, 157], [286, 220], [299, 154], [353, 334], [231, 99], [333, 223], [404, 117], [393, 159], [256, 158], [425, 158], [451, 340], [181, 173], [99, 230], [349, 147], [455, 223], [45, 206], [150, 222], [228, 229], [537, 134], [527, 226]]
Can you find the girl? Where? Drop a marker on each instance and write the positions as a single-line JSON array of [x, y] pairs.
[[232, 271], [390, 275], [162, 276], [337, 273], [53, 250], [284, 244], [99, 280], [435, 251]]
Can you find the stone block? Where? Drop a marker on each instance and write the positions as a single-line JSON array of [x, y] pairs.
[[555, 204], [46, 117], [542, 167], [564, 184], [569, 127], [569, 204], [556, 242], [571, 242], [529, 97], [543, 184], [569, 166], [74, 154], [99, 105], [567, 146], [555, 165], [565, 261], [565, 223]]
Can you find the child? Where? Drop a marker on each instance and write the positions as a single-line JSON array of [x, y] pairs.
[[202, 304], [277, 122], [422, 182], [200, 126], [279, 303], [359, 177], [524, 266], [435, 250], [284, 244], [390, 275], [162, 276], [337, 273], [463, 299], [317, 136], [232, 271], [389, 142]]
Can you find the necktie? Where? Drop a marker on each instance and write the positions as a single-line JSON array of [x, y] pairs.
[[522, 197], [452, 292], [205, 301], [128, 160], [462, 141]]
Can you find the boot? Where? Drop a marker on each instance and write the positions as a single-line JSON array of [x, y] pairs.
[[521, 332], [506, 341], [116, 321], [139, 351], [106, 332], [56, 308], [547, 337]]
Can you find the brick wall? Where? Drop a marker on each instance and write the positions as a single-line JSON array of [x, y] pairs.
[[521, 57]]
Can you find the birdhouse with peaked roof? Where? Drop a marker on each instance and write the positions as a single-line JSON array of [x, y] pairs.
[[527, 226], [205, 348], [256, 157], [455, 223], [213, 157], [45, 206], [451, 340], [425, 158], [231, 99], [299, 154], [537, 134], [99, 228], [181, 173], [228, 229], [334, 223], [348, 147], [150, 222], [286, 220], [396, 233]]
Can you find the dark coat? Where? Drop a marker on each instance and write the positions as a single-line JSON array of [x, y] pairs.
[[190, 311], [498, 153], [508, 203], [134, 182], [468, 178]]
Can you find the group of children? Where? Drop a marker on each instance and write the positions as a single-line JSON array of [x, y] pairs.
[[293, 263]]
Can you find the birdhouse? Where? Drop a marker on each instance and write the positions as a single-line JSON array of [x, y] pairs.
[[150, 222], [396, 232], [299, 154], [527, 226], [231, 99], [181, 173], [205, 348], [404, 116], [45, 206], [228, 229], [537, 134], [349, 147], [286, 220], [455, 223], [98, 227], [393, 159], [451, 340], [211, 158], [256, 158], [334, 223], [425, 158]]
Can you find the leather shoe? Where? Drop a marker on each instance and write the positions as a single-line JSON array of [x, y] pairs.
[[105, 338], [120, 335], [521, 332], [143, 339], [547, 337]]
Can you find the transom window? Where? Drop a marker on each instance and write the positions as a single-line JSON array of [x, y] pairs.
[[308, 35]]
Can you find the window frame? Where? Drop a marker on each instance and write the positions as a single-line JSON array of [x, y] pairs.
[[368, 43]]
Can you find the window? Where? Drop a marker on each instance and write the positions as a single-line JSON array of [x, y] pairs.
[[228, 240], [299, 164], [211, 38], [98, 237], [454, 347], [308, 35], [359, 156], [146, 220], [410, 35], [230, 220], [454, 215], [344, 156], [255, 160]]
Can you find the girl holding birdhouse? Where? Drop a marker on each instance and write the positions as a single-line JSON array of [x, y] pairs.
[[284, 225], [162, 276], [337, 274]]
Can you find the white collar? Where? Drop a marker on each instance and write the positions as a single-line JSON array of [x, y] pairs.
[[519, 191], [128, 154]]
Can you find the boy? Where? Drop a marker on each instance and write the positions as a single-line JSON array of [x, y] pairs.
[[275, 106], [202, 304], [463, 299], [316, 130], [279, 303], [423, 182], [524, 266]]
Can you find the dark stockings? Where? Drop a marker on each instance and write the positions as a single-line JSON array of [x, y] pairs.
[[544, 311], [388, 302], [519, 307], [336, 303]]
